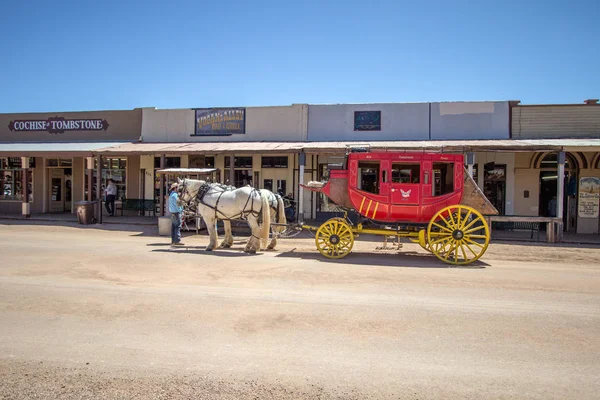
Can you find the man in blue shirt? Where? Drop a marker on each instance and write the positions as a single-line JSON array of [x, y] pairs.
[[176, 211]]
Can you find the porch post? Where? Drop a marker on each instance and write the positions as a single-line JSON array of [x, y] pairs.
[[162, 186], [302, 163], [26, 207], [470, 163], [232, 170], [560, 191], [90, 177], [99, 187]]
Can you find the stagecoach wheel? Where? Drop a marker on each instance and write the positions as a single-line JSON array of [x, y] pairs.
[[458, 235], [334, 238]]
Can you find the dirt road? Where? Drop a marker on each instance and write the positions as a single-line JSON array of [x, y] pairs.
[[88, 313]]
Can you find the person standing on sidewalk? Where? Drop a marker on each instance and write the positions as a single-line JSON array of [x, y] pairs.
[[111, 196], [176, 211]]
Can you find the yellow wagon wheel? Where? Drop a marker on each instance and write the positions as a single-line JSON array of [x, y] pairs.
[[334, 238], [458, 235]]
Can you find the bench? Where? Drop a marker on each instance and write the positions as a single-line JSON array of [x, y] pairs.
[[140, 205], [534, 227], [529, 223]]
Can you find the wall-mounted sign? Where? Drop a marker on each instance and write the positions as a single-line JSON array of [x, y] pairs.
[[589, 197], [367, 120], [220, 121], [58, 125]]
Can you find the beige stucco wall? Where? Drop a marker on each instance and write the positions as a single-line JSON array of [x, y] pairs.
[[281, 123]]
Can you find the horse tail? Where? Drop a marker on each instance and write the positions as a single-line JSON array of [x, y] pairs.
[[266, 219], [280, 211]]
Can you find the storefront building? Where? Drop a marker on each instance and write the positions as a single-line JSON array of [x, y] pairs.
[[537, 177], [47, 164]]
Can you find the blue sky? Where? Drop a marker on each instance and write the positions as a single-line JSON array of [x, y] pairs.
[[65, 55]]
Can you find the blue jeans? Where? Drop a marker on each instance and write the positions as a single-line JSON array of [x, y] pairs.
[[176, 228]]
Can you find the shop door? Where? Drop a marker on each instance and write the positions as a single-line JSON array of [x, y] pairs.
[[57, 190]]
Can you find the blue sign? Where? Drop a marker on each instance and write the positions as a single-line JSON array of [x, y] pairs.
[[220, 121], [367, 120]]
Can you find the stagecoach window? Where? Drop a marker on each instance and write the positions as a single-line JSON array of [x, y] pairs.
[[443, 178], [406, 173], [368, 176]]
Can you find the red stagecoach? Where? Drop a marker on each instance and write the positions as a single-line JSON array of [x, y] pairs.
[[432, 192]]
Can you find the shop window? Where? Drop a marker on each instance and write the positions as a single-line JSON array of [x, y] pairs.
[[196, 161], [368, 175], [494, 185], [112, 168], [11, 180], [443, 178], [274, 162], [406, 173], [170, 162], [239, 162]]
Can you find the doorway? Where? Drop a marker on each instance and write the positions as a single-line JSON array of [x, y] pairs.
[[549, 190], [60, 189]]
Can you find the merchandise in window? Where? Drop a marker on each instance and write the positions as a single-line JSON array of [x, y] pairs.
[[11, 180]]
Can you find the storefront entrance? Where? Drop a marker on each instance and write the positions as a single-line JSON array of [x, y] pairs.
[[60, 189], [549, 187]]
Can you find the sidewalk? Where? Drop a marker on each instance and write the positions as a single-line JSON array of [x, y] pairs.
[[127, 222]]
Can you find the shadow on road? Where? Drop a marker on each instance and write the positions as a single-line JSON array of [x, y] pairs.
[[406, 259], [202, 250]]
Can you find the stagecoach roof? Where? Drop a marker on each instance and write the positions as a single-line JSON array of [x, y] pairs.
[[338, 147]]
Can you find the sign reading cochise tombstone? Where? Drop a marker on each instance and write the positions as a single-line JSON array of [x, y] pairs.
[[589, 197], [220, 121], [58, 125]]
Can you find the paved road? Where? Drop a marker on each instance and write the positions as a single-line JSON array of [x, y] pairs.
[[88, 313]]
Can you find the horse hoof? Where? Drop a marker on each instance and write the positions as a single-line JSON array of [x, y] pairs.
[[252, 251], [209, 249]]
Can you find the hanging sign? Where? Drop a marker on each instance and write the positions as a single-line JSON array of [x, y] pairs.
[[220, 121], [589, 197], [58, 125]]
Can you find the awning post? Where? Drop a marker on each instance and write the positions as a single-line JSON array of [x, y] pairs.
[[560, 190], [302, 163], [231, 170], [26, 207], [162, 186], [99, 187]]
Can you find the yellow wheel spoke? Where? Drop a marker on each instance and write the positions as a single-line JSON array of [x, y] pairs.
[[476, 236], [449, 252], [462, 248], [474, 230], [440, 234], [440, 240], [471, 224], [473, 242], [472, 251], [465, 220], [441, 227], [452, 218]]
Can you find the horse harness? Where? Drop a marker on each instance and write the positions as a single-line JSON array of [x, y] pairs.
[[205, 189]]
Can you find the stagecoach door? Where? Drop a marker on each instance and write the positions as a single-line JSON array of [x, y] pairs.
[[405, 182]]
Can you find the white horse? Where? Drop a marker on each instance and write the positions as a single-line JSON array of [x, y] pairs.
[[277, 208], [213, 202]]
